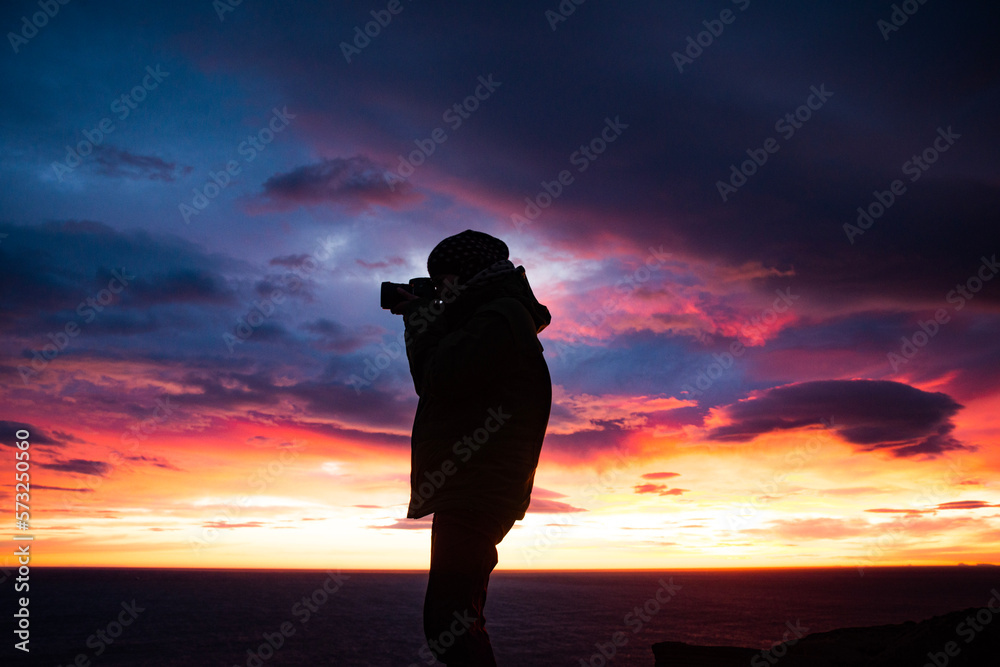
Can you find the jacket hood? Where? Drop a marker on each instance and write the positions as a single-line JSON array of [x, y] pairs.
[[539, 313], [514, 285]]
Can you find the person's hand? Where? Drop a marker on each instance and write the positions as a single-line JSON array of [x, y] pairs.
[[400, 308]]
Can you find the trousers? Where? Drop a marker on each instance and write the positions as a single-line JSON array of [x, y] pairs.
[[463, 554]]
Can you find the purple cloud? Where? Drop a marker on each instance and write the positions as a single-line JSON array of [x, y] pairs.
[[119, 163], [354, 182], [873, 414]]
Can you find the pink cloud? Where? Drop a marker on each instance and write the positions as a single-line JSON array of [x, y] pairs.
[[661, 489], [545, 506]]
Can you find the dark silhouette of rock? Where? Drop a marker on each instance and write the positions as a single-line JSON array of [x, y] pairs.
[[968, 638]]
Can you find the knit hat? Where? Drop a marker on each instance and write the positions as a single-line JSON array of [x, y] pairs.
[[466, 254]]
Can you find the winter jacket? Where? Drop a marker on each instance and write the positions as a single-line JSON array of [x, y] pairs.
[[485, 395]]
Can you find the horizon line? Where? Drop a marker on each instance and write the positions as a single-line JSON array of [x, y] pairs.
[[510, 570]]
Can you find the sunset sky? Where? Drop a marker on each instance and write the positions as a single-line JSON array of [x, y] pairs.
[[769, 252]]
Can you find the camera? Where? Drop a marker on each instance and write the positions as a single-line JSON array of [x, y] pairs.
[[420, 287]]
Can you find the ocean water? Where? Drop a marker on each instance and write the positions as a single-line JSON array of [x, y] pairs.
[[214, 617]]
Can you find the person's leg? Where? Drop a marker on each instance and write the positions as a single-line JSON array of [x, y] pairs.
[[495, 529], [463, 554]]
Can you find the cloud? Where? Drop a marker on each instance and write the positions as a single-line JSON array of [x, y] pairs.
[[69, 437], [888, 510], [290, 261], [384, 264], [936, 526], [538, 492], [183, 285], [955, 505], [373, 408], [423, 523], [60, 488], [118, 163], [546, 506], [336, 337], [154, 460], [822, 528], [965, 505], [80, 466], [608, 435], [51, 269], [660, 489], [873, 414], [354, 182], [660, 475], [37, 435], [227, 525], [369, 416]]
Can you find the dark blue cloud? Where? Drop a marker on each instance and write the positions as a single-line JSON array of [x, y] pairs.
[[55, 270], [354, 182], [117, 163]]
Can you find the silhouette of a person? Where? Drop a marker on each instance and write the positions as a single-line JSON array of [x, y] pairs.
[[485, 395]]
